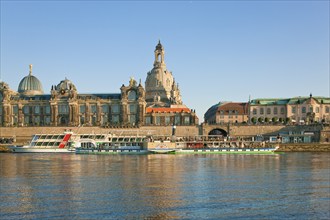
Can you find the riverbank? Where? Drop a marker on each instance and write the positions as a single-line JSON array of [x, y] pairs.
[[304, 147]]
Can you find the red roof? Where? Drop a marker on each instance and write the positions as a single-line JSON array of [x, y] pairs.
[[240, 107], [186, 110]]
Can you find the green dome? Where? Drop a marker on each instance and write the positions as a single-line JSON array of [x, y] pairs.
[[30, 85]]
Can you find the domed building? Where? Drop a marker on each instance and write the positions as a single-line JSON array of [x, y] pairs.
[[163, 97], [160, 84], [160, 104], [65, 107], [30, 85]]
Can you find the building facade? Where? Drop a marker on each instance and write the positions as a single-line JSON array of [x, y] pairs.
[[227, 112], [64, 106], [297, 110]]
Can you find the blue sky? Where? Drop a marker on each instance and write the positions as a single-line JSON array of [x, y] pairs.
[[217, 50]]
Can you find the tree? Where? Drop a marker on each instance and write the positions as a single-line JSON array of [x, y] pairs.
[[288, 120], [254, 120], [274, 119], [260, 120]]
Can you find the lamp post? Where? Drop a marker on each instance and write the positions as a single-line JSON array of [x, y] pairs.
[[173, 131]]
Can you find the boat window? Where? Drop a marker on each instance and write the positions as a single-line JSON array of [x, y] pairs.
[[57, 143], [43, 136], [84, 136], [120, 139], [61, 136], [138, 139], [55, 136], [39, 144], [48, 137], [126, 139], [114, 139]]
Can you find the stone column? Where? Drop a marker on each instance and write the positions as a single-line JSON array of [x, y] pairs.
[[141, 113], [98, 112], [123, 113], [20, 119], [54, 114]]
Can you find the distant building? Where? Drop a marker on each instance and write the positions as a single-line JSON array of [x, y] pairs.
[[297, 110], [65, 107], [227, 112], [159, 104]]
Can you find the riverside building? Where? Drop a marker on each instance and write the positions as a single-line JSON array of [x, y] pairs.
[[159, 103], [296, 110]]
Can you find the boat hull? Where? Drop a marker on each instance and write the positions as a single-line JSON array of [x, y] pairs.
[[23, 149], [228, 151], [118, 151], [162, 150]]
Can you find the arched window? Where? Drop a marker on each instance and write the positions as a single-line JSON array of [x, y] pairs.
[[132, 95]]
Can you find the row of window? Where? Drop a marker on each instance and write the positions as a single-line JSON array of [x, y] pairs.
[[159, 120], [294, 110], [64, 109], [268, 111], [115, 109], [230, 112], [311, 109], [229, 116], [132, 119]]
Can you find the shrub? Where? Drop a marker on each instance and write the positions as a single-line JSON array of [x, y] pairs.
[[274, 119]]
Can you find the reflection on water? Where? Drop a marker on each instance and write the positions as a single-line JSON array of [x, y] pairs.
[[293, 185]]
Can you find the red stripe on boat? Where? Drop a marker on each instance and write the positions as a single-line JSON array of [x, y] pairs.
[[65, 140]]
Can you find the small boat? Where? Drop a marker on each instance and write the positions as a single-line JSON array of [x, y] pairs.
[[160, 147], [47, 143]]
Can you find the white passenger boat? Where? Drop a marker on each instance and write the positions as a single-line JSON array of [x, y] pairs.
[[47, 143], [110, 144]]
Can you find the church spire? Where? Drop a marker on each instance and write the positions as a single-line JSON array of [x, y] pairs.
[[159, 54]]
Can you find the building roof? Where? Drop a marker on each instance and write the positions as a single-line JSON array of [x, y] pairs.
[[241, 108], [269, 101], [167, 110], [289, 101]]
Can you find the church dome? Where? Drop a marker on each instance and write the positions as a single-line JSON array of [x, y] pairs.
[[30, 85]]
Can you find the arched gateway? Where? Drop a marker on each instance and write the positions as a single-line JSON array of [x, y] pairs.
[[218, 132]]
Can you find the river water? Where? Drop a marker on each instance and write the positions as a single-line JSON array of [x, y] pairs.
[[69, 186]]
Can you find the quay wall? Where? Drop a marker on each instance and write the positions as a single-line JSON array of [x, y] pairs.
[[304, 147], [24, 134]]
